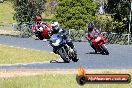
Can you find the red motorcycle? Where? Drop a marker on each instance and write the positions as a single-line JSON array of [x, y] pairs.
[[98, 44], [42, 31]]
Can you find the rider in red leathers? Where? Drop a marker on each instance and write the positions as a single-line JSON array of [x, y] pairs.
[[93, 34], [41, 28]]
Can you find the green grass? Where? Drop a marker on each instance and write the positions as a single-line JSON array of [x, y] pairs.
[[8, 27], [11, 55], [52, 81], [6, 12], [6, 15]]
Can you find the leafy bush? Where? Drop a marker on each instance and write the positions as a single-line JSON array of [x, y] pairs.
[[27, 9], [74, 14]]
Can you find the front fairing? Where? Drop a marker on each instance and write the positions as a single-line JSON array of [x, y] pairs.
[[56, 40]]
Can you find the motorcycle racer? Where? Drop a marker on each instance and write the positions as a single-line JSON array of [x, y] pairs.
[[61, 31], [41, 29], [93, 34]]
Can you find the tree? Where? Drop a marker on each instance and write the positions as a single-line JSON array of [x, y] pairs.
[[27, 9], [118, 8], [120, 13], [74, 14]]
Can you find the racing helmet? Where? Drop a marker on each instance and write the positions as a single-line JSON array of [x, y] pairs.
[[38, 19], [55, 25], [90, 26]]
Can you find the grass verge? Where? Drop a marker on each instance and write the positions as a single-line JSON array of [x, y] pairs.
[[52, 81], [11, 55], [6, 12], [6, 27]]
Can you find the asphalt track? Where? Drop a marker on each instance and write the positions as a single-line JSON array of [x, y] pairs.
[[120, 56]]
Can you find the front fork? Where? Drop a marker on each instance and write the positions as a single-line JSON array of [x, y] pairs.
[[70, 51], [66, 53]]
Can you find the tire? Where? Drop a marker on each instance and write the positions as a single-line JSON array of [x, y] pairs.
[[25, 31], [63, 55], [105, 51], [37, 34], [81, 80], [40, 37], [74, 59]]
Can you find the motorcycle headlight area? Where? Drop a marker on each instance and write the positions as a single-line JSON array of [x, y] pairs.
[[56, 43]]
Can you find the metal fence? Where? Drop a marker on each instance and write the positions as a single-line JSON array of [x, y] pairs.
[[7, 26], [75, 35], [111, 38], [114, 38], [23, 30]]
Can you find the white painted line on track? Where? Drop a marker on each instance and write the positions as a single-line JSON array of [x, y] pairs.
[[24, 63]]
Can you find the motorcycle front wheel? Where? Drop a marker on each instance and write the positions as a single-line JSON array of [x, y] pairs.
[[75, 59], [40, 37], [64, 55], [105, 50]]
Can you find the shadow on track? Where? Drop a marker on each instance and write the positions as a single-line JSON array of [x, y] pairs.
[[96, 53], [55, 61], [92, 53]]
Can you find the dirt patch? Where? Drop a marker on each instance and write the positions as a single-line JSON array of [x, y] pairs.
[[29, 72]]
